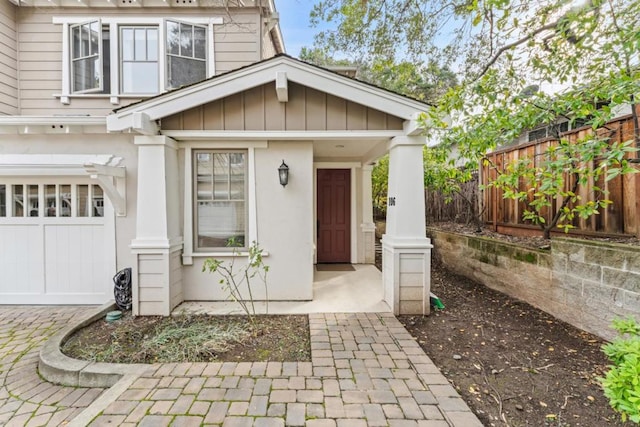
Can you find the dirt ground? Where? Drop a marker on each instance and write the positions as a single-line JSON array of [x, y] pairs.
[[198, 338], [513, 364]]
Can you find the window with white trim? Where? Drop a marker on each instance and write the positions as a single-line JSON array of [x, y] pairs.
[[220, 199], [86, 59], [186, 53], [139, 60], [134, 56]]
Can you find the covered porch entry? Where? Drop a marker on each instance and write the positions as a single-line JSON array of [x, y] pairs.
[[330, 130]]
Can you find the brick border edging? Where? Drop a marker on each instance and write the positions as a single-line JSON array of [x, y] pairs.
[[57, 368]]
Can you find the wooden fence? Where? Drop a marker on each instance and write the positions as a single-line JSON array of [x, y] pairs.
[[619, 218], [461, 209]]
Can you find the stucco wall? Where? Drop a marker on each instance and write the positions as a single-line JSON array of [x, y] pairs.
[[285, 227], [585, 283]]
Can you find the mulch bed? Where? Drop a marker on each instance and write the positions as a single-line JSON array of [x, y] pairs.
[[197, 338]]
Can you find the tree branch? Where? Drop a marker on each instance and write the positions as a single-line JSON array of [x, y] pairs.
[[513, 44]]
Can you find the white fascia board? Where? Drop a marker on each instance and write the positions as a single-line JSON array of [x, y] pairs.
[[51, 120], [140, 20], [208, 135], [355, 91], [13, 125], [256, 75]]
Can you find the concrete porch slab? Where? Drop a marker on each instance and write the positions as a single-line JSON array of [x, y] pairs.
[[358, 291]]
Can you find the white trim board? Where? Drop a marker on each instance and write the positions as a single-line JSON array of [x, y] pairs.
[[301, 135]]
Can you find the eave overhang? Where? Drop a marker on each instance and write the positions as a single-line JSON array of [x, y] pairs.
[[142, 116], [24, 125]]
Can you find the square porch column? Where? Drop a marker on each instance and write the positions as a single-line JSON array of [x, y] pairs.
[[157, 286], [406, 251]]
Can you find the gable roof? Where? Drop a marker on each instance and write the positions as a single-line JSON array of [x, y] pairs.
[[260, 73]]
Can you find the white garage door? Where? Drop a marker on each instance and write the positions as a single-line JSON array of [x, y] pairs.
[[57, 242]]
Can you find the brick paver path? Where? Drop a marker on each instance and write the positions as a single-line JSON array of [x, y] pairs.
[[26, 399], [366, 370]]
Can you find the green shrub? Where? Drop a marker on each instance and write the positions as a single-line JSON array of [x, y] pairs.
[[234, 280], [622, 383]]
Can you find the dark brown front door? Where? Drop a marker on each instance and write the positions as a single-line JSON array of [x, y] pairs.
[[334, 212]]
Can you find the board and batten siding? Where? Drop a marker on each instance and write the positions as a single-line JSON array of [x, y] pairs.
[[39, 46], [8, 60], [259, 109]]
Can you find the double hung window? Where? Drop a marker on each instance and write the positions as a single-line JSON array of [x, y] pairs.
[[139, 60], [86, 58], [186, 53], [220, 199]]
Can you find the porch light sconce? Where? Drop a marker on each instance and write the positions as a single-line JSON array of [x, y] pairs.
[[283, 173]]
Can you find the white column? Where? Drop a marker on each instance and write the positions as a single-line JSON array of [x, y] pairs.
[[157, 245], [406, 256], [367, 226]]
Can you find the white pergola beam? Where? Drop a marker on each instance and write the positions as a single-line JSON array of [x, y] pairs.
[[113, 183]]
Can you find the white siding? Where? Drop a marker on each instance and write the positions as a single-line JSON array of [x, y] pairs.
[[8, 60], [237, 43]]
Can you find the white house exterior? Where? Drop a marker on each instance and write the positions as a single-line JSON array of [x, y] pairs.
[[107, 163]]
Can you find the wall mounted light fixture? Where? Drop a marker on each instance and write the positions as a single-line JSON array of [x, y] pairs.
[[283, 173]]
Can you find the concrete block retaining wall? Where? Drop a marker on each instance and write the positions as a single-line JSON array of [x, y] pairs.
[[585, 283]]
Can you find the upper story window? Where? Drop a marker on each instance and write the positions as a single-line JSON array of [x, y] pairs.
[[86, 61], [186, 53], [139, 60], [129, 56]]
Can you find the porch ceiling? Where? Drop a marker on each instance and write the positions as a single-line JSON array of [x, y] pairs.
[[349, 149]]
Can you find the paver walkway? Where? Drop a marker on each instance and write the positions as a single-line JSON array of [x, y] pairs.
[[366, 370], [25, 398]]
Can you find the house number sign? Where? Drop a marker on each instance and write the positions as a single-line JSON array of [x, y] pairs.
[[392, 201]]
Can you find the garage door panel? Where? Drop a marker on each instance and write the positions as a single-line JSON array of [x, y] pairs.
[[21, 260], [62, 254], [75, 259]]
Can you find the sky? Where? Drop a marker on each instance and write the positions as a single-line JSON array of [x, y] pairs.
[[297, 32], [294, 23]]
